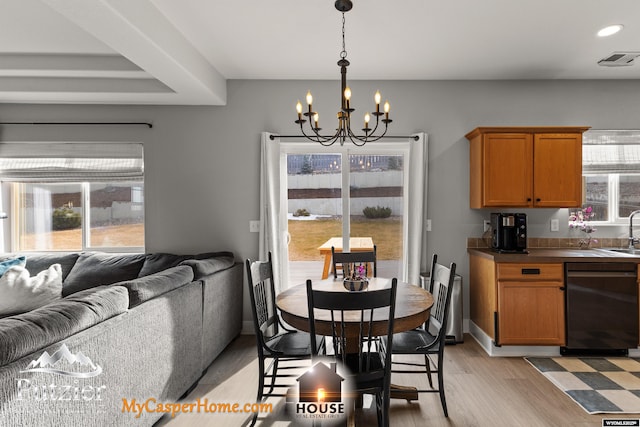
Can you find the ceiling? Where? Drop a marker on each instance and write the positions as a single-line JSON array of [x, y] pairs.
[[184, 51]]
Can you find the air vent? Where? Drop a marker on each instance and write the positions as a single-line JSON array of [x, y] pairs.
[[619, 59]]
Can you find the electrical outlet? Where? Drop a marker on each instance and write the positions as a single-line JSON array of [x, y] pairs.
[[555, 225], [254, 226], [486, 225]]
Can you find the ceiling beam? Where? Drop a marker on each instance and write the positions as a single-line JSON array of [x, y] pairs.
[[142, 34]]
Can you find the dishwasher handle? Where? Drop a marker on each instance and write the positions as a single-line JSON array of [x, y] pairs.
[[607, 267], [601, 274]]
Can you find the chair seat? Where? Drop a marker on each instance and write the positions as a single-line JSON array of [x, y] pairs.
[[293, 344], [411, 342]]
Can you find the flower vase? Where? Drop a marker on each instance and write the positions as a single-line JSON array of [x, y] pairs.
[[585, 243]]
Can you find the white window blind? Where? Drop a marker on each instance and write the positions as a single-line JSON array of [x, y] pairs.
[[71, 161], [611, 151]]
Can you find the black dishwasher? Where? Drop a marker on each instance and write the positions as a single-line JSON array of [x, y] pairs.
[[601, 308]]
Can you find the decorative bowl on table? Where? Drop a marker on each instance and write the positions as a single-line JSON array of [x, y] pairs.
[[356, 284]]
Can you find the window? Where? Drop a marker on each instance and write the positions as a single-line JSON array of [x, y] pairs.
[[74, 196], [611, 173]]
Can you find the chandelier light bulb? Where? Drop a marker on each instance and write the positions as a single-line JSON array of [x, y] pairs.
[[299, 108], [309, 98], [377, 97], [387, 107], [347, 93], [367, 117], [316, 117]]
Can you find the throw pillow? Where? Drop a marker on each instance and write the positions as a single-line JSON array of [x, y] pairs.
[[20, 293], [6, 264]]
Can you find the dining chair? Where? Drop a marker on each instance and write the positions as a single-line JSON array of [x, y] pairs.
[[356, 344], [429, 339], [343, 258], [275, 341]]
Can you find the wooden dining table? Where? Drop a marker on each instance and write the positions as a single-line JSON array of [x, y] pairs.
[[356, 244], [413, 305]]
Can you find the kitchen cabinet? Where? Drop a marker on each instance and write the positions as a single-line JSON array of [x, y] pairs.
[[530, 309], [531, 167], [518, 303]]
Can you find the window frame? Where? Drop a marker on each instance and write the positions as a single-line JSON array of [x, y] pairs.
[[613, 186], [85, 188], [612, 162]]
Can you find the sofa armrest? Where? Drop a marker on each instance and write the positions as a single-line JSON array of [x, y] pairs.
[[206, 266], [222, 310]]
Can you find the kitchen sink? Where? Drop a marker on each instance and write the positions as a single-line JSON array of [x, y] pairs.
[[630, 251]]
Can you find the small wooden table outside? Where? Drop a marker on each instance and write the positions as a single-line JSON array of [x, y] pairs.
[[356, 244], [413, 305]]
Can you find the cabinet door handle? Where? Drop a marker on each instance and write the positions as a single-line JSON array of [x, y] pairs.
[[530, 271], [528, 199], [538, 200], [562, 288]]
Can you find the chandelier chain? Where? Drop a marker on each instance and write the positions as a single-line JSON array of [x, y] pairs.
[[343, 54]]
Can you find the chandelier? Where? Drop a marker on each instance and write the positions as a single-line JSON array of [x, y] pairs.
[[343, 131]]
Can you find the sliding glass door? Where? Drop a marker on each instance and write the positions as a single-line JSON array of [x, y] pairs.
[[344, 197]]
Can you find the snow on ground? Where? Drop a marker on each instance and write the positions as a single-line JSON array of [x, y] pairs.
[[306, 218]]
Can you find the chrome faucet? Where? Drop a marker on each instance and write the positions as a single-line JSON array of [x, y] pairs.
[[632, 240]]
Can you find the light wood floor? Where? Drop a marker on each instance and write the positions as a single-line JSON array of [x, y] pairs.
[[481, 391]]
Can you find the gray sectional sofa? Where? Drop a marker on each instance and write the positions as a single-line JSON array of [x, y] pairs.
[[129, 329]]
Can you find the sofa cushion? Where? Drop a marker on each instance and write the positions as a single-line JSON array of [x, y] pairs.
[[28, 332], [95, 269], [205, 264], [154, 263], [145, 288], [40, 262], [8, 263], [20, 293]]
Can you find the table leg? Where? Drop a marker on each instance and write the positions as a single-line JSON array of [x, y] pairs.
[[327, 263]]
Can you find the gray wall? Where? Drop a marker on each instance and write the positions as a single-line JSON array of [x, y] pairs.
[[202, 163]]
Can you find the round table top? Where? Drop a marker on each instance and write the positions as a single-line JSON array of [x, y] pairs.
[[413, 305]]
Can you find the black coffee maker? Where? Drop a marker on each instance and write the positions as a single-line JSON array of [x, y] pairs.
[[509, 232]]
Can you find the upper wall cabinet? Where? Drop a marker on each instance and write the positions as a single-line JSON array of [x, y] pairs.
[[526, 167]]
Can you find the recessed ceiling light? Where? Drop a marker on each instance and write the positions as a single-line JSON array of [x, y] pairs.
[[610, 30]]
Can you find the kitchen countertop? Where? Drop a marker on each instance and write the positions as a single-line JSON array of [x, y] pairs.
[[547, 255]]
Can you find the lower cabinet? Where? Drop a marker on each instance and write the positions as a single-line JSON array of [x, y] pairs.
[[518, 304], [530, 313], [530, 304]]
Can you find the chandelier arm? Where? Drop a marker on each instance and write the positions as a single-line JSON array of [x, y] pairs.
[[379, 137], [326, 140], [316, 137], [375, 128], [355, 139]]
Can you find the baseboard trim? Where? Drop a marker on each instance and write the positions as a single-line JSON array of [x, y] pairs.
[[492, 350]]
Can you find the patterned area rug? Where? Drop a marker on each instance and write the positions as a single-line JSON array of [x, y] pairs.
[[600, 385]]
